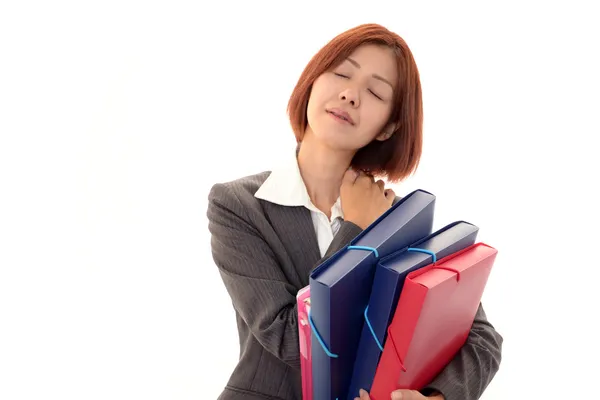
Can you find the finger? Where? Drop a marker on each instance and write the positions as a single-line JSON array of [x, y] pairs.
[[390, 194], [350, 176], [364, 179], [405, 394], [381, 184], [363, 394]]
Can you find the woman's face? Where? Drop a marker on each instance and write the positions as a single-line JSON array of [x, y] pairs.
[[350, 105]]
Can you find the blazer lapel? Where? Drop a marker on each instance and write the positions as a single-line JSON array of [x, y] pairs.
[[295, 229]]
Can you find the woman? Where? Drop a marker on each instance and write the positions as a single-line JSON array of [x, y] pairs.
[[356, 113]]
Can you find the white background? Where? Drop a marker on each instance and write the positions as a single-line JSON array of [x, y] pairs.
[[116, 117]]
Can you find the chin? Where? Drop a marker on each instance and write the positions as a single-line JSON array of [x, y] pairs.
[[332, 134], [337, 140]]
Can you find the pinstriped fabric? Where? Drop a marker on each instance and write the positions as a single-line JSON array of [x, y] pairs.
[[264, 253]]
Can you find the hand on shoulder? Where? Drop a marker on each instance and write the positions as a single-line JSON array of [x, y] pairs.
[[363, 199]]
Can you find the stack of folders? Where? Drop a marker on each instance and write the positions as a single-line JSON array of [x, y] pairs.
[[391, 309]]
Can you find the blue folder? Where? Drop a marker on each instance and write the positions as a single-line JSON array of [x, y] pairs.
[[390, 274], [340, 288]]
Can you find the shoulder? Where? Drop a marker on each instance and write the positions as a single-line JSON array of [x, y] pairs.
[[236, 194]]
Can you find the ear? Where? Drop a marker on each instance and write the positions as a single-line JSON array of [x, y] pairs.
[[387, 132]]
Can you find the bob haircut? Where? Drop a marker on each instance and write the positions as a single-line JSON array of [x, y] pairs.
[[397, 157]]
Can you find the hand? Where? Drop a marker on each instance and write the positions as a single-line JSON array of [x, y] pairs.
[[364, 200], [403, 394]]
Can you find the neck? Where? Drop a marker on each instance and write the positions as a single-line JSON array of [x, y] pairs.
[[322, 170]]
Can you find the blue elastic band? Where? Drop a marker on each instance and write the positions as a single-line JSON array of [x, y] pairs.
[[372, 331], [316, 333], [373, 249], [424, 251]]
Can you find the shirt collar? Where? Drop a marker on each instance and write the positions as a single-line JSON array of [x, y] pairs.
[[285, 187]]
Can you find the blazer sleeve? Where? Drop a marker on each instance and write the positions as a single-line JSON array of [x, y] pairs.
[[469, 373], [253, 276]]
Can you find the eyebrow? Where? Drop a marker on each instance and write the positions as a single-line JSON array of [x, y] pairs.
[[379, 77]]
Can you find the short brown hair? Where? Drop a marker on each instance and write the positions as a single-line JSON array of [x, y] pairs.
[[397, 157]]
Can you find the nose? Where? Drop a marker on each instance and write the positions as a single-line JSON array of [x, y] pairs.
[[351, 97]]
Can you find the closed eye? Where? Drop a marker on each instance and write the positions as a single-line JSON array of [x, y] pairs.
[[347, 77], [375, 94]]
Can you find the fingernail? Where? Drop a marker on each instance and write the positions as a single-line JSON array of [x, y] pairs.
[[396, 396]]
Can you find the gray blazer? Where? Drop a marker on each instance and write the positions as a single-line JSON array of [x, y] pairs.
[[264, 253]]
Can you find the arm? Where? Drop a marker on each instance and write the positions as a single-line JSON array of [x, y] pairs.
[[473, 368], [253, 277]]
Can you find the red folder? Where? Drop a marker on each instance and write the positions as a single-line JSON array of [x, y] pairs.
[[433, 319], [303, 300]]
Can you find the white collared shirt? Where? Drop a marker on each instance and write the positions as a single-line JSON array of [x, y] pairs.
[[286, 187]]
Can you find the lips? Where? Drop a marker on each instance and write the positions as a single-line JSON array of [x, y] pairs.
[[341, 114]]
